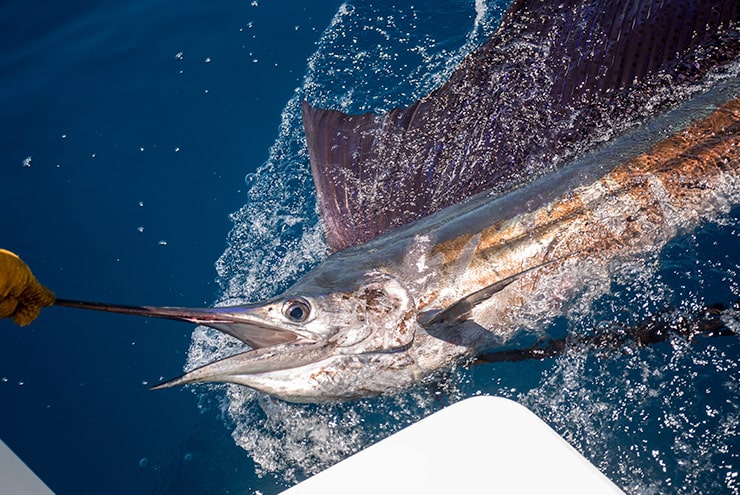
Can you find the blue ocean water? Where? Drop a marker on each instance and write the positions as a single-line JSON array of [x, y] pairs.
[[129, 132]]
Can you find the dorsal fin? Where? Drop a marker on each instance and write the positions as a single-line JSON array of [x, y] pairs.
[[552, 73]]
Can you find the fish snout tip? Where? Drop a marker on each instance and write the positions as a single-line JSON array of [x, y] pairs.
[[174, 382]]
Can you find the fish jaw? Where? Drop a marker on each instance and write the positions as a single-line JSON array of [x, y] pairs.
[[309, 374]]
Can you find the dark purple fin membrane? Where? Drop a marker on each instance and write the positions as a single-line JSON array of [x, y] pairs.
[[554, 76]]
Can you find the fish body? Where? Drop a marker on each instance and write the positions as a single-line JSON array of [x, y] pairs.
[[376, 313], [466, 221]]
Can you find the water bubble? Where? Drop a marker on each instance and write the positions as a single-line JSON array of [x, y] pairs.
[[188, 457], [143, 462], [162, 243], [140, 229], [178, 56], [27, 162]]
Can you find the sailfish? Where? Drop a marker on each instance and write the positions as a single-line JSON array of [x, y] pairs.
[[582, 134]]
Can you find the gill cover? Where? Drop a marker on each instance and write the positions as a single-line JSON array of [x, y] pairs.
[[383, 313]]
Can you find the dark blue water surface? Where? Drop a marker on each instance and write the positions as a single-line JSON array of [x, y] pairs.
[[128, 131], [128, 128]]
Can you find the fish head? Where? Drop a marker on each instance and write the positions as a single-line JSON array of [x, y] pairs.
[[316, 345]]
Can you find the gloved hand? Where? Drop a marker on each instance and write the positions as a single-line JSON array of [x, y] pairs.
[[21, 295]]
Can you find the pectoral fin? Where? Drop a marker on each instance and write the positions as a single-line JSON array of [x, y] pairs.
[[460, 310]]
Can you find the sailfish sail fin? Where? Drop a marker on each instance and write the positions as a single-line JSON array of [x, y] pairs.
[[551, 77]]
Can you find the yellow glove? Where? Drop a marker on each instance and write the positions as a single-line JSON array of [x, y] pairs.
[[21, 295]]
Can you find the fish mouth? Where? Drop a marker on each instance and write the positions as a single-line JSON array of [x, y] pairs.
[[274, 347], [239, 367]]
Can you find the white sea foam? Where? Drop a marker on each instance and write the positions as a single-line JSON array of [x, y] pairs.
[[662, 418], [610, 407], [276, 235]]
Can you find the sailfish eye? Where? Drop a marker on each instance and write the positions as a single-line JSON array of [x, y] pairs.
[[296, 310]]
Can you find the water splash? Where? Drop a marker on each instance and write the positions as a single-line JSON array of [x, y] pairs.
[[277, 236], [655, 420], [660, 419]]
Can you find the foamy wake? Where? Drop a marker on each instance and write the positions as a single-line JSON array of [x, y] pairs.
[[656, 420], [277, 236]]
